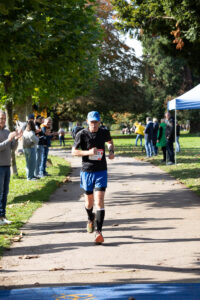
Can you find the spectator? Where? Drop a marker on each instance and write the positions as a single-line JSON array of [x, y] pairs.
[[30, 140], [48, 135], [161, 141], [76, 129], [40, 146], [170, 137], [155, 134], [8, 141], [139, 130], [178, 128], [61, 134], [148, 136]]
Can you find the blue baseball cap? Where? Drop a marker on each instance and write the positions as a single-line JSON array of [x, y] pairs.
[[93, 116], [31, 116]]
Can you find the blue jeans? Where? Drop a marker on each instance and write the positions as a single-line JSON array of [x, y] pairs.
[[43, 164], [139, 136], [30, 155], [4, 188], [149, 148], [39, 150], [62, 140], [177, 144]]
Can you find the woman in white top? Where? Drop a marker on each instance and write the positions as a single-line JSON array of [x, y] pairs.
[[30, 140]]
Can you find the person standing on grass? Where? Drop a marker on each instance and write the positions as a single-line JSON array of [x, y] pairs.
[[148, 137], [170, 137], [8, 141], [161, 139], [30, 141], [139, 130], [48, 136], [40, 146], [178, 129], [61, 135], [155, 133], [91, 142]]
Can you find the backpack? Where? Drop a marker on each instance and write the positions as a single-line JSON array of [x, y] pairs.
[[75, 130]]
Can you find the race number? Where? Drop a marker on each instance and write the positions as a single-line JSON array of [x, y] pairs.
[[98, 156]]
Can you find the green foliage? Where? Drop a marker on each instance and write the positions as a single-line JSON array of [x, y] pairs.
[[51, 45], [163, 75], [160, 17]]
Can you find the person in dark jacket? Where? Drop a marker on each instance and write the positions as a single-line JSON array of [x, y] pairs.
[[170, 137], [148, 137], [155, 134], [40, 146], [48, 135], [178, 128]]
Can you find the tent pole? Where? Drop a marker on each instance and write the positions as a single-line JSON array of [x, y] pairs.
[[175, 132]]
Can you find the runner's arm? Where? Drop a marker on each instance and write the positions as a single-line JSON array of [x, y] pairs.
[[111, 149], [77, 152]]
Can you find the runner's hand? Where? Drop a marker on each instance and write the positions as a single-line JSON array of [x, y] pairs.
[[93, 151]]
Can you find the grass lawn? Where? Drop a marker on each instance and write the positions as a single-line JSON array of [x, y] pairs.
[[187, 169], [26, 196]]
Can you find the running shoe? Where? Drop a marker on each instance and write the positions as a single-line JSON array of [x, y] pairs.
[[91, 225], [99, 238], [4, 221]]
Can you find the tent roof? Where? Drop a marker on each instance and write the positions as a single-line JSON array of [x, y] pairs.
[[189, 100]]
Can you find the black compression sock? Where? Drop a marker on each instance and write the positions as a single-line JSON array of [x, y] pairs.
[[100, 218], [90, 213]]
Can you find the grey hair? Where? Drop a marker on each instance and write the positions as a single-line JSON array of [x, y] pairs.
[[2, 112]]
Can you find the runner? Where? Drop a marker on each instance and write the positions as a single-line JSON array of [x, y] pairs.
[[92, 141]]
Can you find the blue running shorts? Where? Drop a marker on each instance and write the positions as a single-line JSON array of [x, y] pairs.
[[93, 180]]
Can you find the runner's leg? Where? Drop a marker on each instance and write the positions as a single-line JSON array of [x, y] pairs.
[[99, 197]]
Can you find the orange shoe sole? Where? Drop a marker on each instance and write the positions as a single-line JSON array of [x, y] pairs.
[[99, 239]]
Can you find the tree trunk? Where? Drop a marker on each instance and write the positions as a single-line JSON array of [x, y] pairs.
[[194, 116], [9, 112]]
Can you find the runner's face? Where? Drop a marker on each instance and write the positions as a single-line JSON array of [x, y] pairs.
[[93, 126], [2, 121]]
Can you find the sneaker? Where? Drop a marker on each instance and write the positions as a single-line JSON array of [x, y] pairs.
[[4, 221], [99, 238], [170, 163], [91, 225]]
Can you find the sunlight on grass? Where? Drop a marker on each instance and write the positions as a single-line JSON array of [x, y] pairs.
[[188, 160], [26, 196]]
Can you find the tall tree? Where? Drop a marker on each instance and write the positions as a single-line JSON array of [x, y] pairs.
[[48, 45]]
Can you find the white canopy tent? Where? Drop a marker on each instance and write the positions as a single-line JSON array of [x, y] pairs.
[[189, 100]]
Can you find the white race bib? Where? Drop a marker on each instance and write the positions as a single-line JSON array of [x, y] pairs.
[[97, 156]]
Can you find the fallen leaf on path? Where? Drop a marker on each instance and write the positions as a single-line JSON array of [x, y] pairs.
[[56, 269], [28, 256], [64, 190], [67, 179], [18, 238], [115, 225]]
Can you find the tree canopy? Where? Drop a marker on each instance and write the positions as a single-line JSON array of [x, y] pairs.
[[48, 48]]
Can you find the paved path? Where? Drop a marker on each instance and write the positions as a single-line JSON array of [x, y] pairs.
[[152, 233]]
